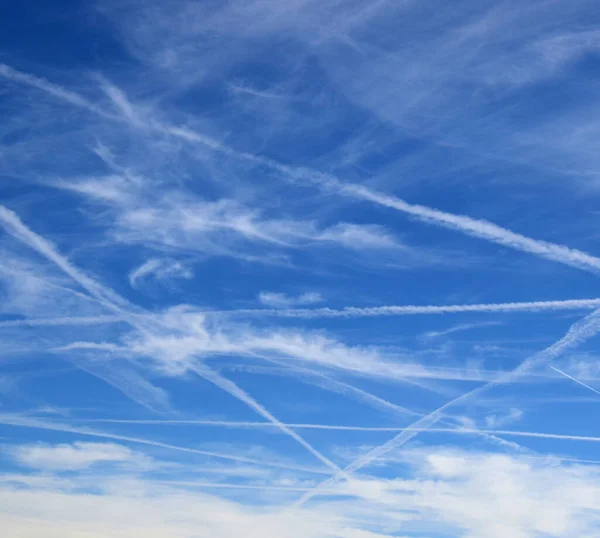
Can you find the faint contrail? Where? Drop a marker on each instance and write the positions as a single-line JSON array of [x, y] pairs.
[[338, 427], [402, 438], [57, 322], [576, 380], [345, 389], [55, 90], [578, 332], [13, 224], [231, 388], [25, 422], [220, 485]]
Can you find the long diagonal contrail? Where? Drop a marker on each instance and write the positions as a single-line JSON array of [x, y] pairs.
[[479, 228], [14, 226], [576, 380], [579, 332]]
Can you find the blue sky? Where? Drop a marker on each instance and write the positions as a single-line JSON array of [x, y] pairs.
[[299, 269]]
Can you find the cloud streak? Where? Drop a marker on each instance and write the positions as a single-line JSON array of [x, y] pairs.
[[281, 300], [20, 231], [478, 228], [26, 422], [161, 270], [579, 332]]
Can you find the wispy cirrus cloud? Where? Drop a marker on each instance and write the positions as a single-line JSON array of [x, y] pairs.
[[406, 162], [170, 221], [76, 456], [159, 269], [281, 300]]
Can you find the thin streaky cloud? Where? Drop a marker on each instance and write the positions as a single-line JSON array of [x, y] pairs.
[[419, 426], [579, 332], [120, 101], [160, 269], [25, 422], [220, 485], [460, 328], [129, 382], [282, 300], [346, 389], [338, 427], [55, 90], [576, 380], [479, 228], [196, 140], [57, 322], [115, 302]]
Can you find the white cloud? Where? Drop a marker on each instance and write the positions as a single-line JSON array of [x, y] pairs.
[[414, 78], [282, 300], [498, 420], [494, 496], [160, 269], [182, 336], [360, 236], [153, 511], [440, 491], [144, 212], [76, 456]]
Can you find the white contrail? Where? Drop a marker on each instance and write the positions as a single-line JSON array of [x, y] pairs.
[[345, 389], [474, 227], [402, 438], [576, 380], [15, 227], [25, 422], [130, 383], [347, 312], [480, 228], [115, 302], [338, 427], [231, 388], [406, 310], [577, 333]]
